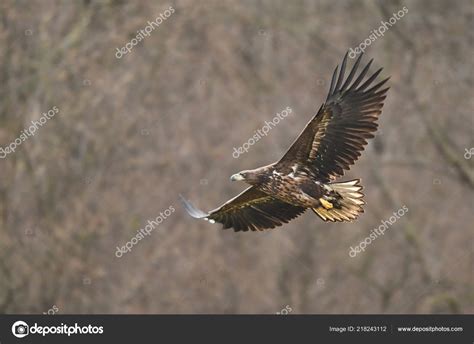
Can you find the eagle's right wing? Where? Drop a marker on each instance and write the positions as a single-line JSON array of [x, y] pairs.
[[333, 140], [252, 209]]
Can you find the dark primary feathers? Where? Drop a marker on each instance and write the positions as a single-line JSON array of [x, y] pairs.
[[329, 144], [332, 141]]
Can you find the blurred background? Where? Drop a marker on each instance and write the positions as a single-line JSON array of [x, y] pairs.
[[134, 132]]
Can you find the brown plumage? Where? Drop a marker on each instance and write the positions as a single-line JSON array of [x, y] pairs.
[[304, 177]]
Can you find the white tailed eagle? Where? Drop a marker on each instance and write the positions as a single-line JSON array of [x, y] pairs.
[[304, 177]]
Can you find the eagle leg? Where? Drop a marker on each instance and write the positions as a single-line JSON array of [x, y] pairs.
[[327, 205]]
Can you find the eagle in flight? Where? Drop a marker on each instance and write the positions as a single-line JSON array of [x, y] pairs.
[[304, 177]]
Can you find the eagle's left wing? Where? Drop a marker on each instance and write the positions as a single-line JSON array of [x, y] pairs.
[[252, 209], [332, 141]]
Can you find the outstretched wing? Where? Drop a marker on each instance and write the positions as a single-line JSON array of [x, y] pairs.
[[334, 139], [252, 209]]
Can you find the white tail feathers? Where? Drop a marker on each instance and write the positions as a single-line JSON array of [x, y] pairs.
[[348, 203]]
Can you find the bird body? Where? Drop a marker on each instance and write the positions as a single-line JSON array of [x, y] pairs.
[[304, 178], [298, 187]]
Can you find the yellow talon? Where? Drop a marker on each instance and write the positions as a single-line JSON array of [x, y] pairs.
[[327, 205]]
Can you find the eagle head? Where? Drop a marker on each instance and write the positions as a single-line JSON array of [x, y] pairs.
[[249, 176]]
